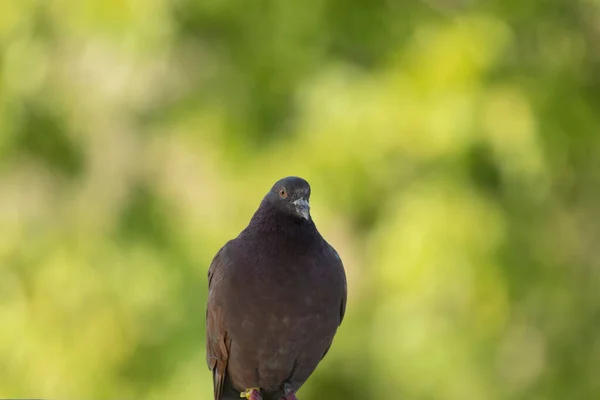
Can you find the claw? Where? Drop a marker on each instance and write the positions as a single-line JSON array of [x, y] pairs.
[[251, 394], [289, 392]]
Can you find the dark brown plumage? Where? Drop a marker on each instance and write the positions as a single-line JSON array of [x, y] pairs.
[[277, 294]]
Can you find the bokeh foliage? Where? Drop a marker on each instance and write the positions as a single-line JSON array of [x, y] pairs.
[[453, 150]]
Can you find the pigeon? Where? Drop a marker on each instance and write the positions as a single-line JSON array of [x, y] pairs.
[[276, 297]]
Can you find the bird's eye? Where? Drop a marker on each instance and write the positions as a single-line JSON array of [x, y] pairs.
[[283, 193]]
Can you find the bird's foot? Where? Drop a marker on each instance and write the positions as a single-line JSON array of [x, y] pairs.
[[251, 394], [289, 392]]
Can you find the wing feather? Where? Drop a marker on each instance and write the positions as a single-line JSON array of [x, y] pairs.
[[217, 341]]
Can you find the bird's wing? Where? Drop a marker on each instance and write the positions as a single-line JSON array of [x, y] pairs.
[[344, 285], [343, 292], [217, 340], [344, 298]]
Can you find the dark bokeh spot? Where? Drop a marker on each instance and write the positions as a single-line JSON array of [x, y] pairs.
[[482, 169], [363, 33], [42, 135], [144, 218], [366, 216]]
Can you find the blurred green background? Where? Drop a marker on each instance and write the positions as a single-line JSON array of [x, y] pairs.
[[453, 148]]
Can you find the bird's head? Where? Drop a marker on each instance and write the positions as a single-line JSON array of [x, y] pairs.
[[291, 196]]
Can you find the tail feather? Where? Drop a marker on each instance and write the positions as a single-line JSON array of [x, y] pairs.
[[218, 382], [223, 389]]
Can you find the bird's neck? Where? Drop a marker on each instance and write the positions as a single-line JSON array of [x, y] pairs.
[[267, 221]]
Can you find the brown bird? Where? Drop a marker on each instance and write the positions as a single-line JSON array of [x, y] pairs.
[[277, 294]]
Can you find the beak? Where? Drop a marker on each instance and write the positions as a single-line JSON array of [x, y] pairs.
[[303, 208]]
